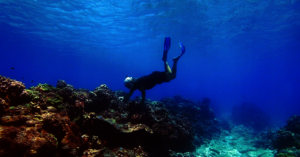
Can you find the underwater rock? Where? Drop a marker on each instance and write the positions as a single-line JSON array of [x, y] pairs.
[[292, 152], [293, 124], [35, 125], [25, 141], [287, 140], [198, 113], [51, 109], [10, 87], [150, 125], [61, 84], [12, 92], [266, 138]]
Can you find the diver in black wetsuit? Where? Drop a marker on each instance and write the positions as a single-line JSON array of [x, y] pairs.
[[149, 81]]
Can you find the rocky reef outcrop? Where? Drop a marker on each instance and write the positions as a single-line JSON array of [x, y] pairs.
[[287, 139], [198, 113], [64, 121]]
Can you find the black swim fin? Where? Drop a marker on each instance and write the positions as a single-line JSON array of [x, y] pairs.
[[167, 45], [182, 52]]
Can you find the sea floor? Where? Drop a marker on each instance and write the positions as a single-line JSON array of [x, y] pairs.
[[240, 142]]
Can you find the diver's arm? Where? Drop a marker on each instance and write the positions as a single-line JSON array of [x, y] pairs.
[[126, 98]]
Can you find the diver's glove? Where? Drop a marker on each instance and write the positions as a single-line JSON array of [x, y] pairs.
[[167, 44]]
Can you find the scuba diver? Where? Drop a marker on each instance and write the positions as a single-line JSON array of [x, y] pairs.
[[157, 77]]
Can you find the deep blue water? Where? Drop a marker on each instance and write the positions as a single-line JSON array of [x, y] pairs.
[[235, 50]]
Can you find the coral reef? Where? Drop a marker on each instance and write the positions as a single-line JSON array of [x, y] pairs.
[[265, 139], [287, 139], [293, 124], [31, 123], [64, 121], [11, 92], [204, 122]]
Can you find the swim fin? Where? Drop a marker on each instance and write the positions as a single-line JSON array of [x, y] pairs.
[[182, 48], [167, 44], [182, 52]]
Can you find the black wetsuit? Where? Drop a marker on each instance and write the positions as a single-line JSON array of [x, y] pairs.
[[149, 81]]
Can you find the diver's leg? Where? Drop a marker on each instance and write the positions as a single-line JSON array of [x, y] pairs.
[[168, 71], [167, 45], [167, 68], [165, 55], [174, 68]]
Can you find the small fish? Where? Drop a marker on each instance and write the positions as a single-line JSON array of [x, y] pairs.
[[12, 68], [22, 78], [32, 81]]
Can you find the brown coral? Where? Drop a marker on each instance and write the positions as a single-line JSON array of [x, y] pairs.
[[27, 140], [12, 91]]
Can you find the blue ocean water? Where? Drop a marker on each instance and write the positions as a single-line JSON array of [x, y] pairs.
[[236, 51]]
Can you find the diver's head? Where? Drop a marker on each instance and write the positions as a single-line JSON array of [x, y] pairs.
[[128, 82]]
